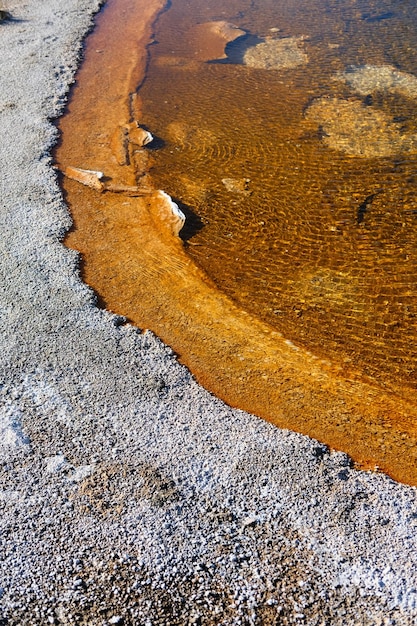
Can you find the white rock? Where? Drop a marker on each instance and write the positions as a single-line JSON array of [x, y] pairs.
[[81, 472], [55, 463], [11, 433], [175, 209]]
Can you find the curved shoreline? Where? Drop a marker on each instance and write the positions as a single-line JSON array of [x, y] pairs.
[[141, 271], [128, 493]]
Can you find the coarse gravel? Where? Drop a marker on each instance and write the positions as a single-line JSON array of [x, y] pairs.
[[129, 494]]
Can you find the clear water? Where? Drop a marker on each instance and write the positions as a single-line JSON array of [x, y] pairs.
[[299, 186], [302, 185]]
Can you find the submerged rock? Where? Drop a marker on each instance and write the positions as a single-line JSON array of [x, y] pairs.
[[276, 54], [237, 185], [369, 78], [350, 127], [208, 41]]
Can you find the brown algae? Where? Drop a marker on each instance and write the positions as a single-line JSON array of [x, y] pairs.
[[298, 303]]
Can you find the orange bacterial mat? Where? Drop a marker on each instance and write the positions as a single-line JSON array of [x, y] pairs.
[[290, 144]]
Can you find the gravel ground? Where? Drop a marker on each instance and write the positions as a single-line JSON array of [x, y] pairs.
[[129, 494]]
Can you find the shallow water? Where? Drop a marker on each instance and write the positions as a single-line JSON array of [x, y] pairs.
[[283, 215], [319, 243]]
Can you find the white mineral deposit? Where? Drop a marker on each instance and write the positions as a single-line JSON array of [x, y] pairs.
[[128, 494]]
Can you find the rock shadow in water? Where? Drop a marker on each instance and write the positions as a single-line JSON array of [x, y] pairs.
[[236, 50]]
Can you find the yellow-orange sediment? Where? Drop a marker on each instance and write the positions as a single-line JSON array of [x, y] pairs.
[[137, 264]]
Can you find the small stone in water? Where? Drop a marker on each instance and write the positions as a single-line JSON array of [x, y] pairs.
[[237, 185]]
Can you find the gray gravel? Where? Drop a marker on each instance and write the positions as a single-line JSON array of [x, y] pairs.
[[130, 495]]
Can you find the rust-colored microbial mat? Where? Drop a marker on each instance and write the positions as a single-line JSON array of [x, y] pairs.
[[289, 138]]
